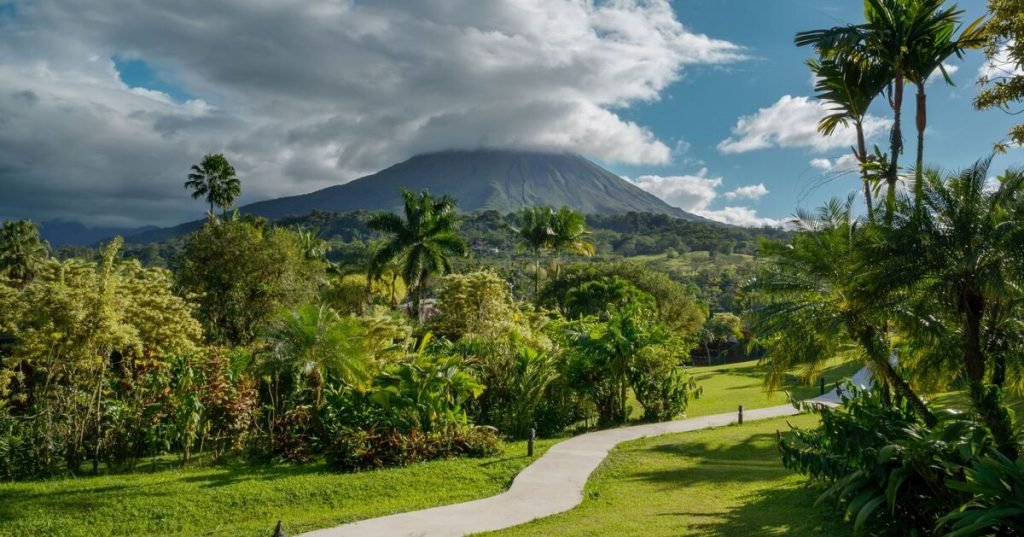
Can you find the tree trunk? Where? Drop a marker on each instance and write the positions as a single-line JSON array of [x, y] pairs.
[[99, 418], [988, 400], [862, 158], [895, 144], [878, 353], [922, 122]]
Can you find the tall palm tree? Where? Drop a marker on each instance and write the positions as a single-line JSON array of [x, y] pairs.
[[569, 234], [849, 87], [892, 36], [214, 179], [928, 58], [536, 231], [959, 255], [424, 238], [22, 251], [810, 305]]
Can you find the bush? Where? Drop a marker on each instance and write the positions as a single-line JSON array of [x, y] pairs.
[[660, 384], [360, 449]]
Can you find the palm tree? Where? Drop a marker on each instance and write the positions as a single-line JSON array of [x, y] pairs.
[[893, 36], [536, 232], [424, 239], [928, 58], [214, 179], [959, 255], [22, 251], [849, 86], [810, 305], [569, 234], [318, 345]]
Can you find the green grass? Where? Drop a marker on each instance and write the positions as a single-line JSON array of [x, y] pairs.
[[725, 481], [727, 386], [246, 500], [691, 262]]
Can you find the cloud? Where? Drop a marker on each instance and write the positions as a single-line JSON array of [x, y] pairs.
[[843, 164], [1000, 66], [793, 122], [690, 193], [696, 193], [305, 94], [951, 69], [752, 192]]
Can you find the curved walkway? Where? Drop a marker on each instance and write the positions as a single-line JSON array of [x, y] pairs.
[[552, 484]]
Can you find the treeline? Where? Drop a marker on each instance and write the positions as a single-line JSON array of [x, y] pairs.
[[251, 342]]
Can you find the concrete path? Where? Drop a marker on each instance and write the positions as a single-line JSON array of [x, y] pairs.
[[552, 484]]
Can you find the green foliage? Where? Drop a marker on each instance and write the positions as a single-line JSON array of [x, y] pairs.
[[598, 297], [478, 304], [214, 179], [1004, 86], [424, 238], [429, 393], [22, 252], [677, 308], [661, 386], [242, 273]]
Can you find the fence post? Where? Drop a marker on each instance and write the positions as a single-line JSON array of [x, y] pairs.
[[529, 443], [822, 385], [279, 531], [741, 414]]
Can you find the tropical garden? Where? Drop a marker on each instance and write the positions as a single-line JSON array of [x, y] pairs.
[[259, 364]]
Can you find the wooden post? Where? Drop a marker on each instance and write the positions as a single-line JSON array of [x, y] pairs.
[[741, 414], [279, 531], [822, 385], [529, 443]]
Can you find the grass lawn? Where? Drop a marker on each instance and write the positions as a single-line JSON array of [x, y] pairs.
[[245, 500], [727, 386], [725, 481]]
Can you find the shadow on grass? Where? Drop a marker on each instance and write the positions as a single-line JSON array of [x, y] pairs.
[[775, 511]]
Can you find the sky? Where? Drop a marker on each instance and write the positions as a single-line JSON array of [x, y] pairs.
[[104, 104]]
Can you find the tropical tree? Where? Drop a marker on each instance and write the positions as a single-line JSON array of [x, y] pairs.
[[894, 35], [22, 251], [1003, 75], [849, 87], [425, 238], [214, 180], [316, 344], [536, 231], [928, 58], [960, 257], [810, 303], [569, 234]]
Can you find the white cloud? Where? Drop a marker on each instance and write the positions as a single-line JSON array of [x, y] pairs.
[[1001, 65], [688, 192], [843, 164], [696, 193], [302, 94], [741, 216], [793, 122], [752, 192], [951, 69]]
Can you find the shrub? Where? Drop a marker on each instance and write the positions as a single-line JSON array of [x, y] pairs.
[[660, 384], [361, 449]]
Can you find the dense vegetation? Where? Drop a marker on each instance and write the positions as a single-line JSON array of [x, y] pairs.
[[254, 343], [925, 289]]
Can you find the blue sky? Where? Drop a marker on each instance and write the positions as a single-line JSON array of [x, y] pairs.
[[706, 103], [703, 107]]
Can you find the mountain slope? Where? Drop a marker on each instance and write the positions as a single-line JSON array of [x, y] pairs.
[[484, 179]]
